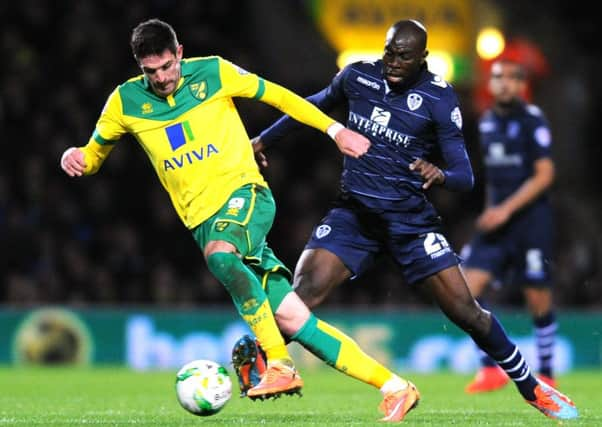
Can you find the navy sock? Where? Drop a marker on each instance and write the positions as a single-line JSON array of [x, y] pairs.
[[508, 356], [545, 336]]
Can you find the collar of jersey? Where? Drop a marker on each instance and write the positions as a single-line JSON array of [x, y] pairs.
[[185, 72], [422, 72]]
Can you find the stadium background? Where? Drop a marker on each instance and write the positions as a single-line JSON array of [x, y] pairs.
[[111, 245]]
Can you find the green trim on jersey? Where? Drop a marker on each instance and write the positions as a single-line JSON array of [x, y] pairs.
[[202, 82], [260, 89], [101, 140]]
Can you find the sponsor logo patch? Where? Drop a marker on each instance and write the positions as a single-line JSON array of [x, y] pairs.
[[456, 117], [146, 108], [368, 83], [543, 136], [380, 116]]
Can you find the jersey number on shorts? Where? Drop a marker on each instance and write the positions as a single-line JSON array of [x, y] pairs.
[[435, 245], [534, 262]]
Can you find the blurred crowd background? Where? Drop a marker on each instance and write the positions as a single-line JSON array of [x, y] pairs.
[[114, 238]]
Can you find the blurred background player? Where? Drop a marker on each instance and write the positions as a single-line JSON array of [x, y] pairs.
[[515, 230], [216, 188], [407, 112]]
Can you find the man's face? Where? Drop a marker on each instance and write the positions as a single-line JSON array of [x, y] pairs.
[[506, 82], [162, 71], [402, 58]]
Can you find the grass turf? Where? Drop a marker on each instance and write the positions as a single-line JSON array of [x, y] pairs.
[[111, 396]]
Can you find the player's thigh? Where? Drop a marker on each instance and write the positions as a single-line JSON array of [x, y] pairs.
[[339, 248], [534, 239], [318, 271], [421, 255], [243, 221]]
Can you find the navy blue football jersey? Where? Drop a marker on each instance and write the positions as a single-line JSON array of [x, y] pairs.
[[403, 125], [510, 145]]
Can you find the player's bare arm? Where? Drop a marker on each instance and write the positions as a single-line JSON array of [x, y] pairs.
[[430, 173]]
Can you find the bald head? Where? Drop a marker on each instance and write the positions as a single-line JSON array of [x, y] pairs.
[[408, 30], [405, 52]]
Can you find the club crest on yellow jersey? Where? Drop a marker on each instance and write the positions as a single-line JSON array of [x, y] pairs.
[[198, 90]]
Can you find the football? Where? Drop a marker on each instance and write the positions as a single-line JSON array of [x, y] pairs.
[[203, 387]]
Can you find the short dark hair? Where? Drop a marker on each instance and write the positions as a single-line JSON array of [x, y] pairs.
[[152, 37]]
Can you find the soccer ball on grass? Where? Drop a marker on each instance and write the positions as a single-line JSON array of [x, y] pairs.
[[203, 387]]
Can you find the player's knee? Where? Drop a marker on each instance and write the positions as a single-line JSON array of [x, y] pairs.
[[222, 265], [291, 314], [290, 322]]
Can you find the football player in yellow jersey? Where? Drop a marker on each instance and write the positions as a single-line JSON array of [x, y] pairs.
[[181, 112]]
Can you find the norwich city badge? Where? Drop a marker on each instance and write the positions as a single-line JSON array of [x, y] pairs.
[[198, 90], [221, 226]]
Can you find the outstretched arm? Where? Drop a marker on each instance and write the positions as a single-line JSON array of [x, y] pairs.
[[349, 142]]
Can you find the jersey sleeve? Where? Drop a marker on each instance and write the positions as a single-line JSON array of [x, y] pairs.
[[244, 84], [239, 82], [109, 129], [327, 99], [448, 122], [542, 138]]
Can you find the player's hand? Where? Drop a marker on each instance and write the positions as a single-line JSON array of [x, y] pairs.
[[72, 162], [430, 173], [493, 217], [258, 147], [351, 143]]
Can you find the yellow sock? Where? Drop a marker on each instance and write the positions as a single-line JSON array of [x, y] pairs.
[[264, 326], [354, 362], [341, 352]]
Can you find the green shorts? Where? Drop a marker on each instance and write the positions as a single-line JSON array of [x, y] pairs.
[[244, 221]]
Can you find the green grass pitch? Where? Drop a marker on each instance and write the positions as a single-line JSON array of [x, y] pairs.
[[112, 396]]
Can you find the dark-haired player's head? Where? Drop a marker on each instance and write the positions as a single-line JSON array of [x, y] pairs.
[[507, 82], [156, 49], [405, 51]]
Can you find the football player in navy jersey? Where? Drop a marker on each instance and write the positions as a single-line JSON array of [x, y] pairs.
[[515, 231], [406, 112]]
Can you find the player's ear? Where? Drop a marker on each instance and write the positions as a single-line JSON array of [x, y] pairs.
[[179, 52], [424, 55]]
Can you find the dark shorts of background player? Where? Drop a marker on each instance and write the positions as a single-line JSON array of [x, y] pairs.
[[519, 253], [244, 221], [359, 237]]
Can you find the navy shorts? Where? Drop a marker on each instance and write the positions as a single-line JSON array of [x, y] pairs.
[[358, 238], [519, 253]]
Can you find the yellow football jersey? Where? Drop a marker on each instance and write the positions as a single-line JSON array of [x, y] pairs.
[[195, 138]]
